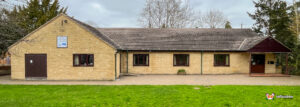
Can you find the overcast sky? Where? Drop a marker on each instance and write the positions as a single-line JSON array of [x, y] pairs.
[[124, 13]]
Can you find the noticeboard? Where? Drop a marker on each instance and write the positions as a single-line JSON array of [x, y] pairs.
[[62, 41]]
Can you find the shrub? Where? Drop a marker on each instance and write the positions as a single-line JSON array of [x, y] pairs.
[[181, 70]]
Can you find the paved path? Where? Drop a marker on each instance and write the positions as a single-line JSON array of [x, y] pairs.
[[237, 79]]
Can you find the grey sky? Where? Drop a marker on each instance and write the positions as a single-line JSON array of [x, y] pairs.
[[124, 13]]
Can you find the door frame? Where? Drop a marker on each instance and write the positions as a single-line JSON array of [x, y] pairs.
[[46, 70], [251, 55]]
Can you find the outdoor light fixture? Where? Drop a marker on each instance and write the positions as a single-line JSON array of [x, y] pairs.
[[63, 21]]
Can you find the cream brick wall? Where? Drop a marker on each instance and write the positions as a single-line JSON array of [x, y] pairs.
[[239, 63], [118, 64], [162, 63], [270, 68], [60, 60], [123, 62]]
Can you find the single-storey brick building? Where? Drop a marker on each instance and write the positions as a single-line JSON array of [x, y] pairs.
[[67, 49]]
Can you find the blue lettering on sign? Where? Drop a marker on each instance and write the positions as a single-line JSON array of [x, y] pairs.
[[62, 41]]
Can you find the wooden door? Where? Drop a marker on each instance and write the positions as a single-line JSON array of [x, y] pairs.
[[258, 63], [35, 65]]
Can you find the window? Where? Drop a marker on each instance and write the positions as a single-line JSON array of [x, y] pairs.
[[181, 60], [221, 60], [141, 59], [83, 60]]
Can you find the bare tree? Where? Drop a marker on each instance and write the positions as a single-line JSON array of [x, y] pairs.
[[167, 14], [213, 19]]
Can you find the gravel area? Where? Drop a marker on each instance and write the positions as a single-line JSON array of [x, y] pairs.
[[237, 79]]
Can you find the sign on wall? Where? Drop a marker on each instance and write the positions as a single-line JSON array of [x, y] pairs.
[[62, 41]]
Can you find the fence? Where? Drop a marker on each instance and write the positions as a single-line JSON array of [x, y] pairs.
[[5, 61], [5, 66]]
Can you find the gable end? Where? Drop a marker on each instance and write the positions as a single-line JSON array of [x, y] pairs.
[[106, 40], [269, 44]]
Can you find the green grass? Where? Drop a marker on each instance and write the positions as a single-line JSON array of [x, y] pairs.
[[64, 95]]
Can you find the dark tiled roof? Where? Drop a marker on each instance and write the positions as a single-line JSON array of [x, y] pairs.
[[250, 42], [182, 39], [174, 39]]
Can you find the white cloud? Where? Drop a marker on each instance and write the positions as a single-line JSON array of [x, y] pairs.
[[124, 13], [105, 13]]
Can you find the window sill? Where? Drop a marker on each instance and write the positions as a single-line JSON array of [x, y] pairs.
[[84, 66], [181, 65], [141, 65], [221, 65]]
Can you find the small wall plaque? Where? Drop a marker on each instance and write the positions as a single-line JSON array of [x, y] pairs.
[[62, 41]]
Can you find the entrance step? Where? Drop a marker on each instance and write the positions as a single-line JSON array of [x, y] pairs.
[[36, 78], [268, 75], [128, 74]]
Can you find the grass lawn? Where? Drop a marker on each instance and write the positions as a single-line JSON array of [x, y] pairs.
[[80, 95]]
